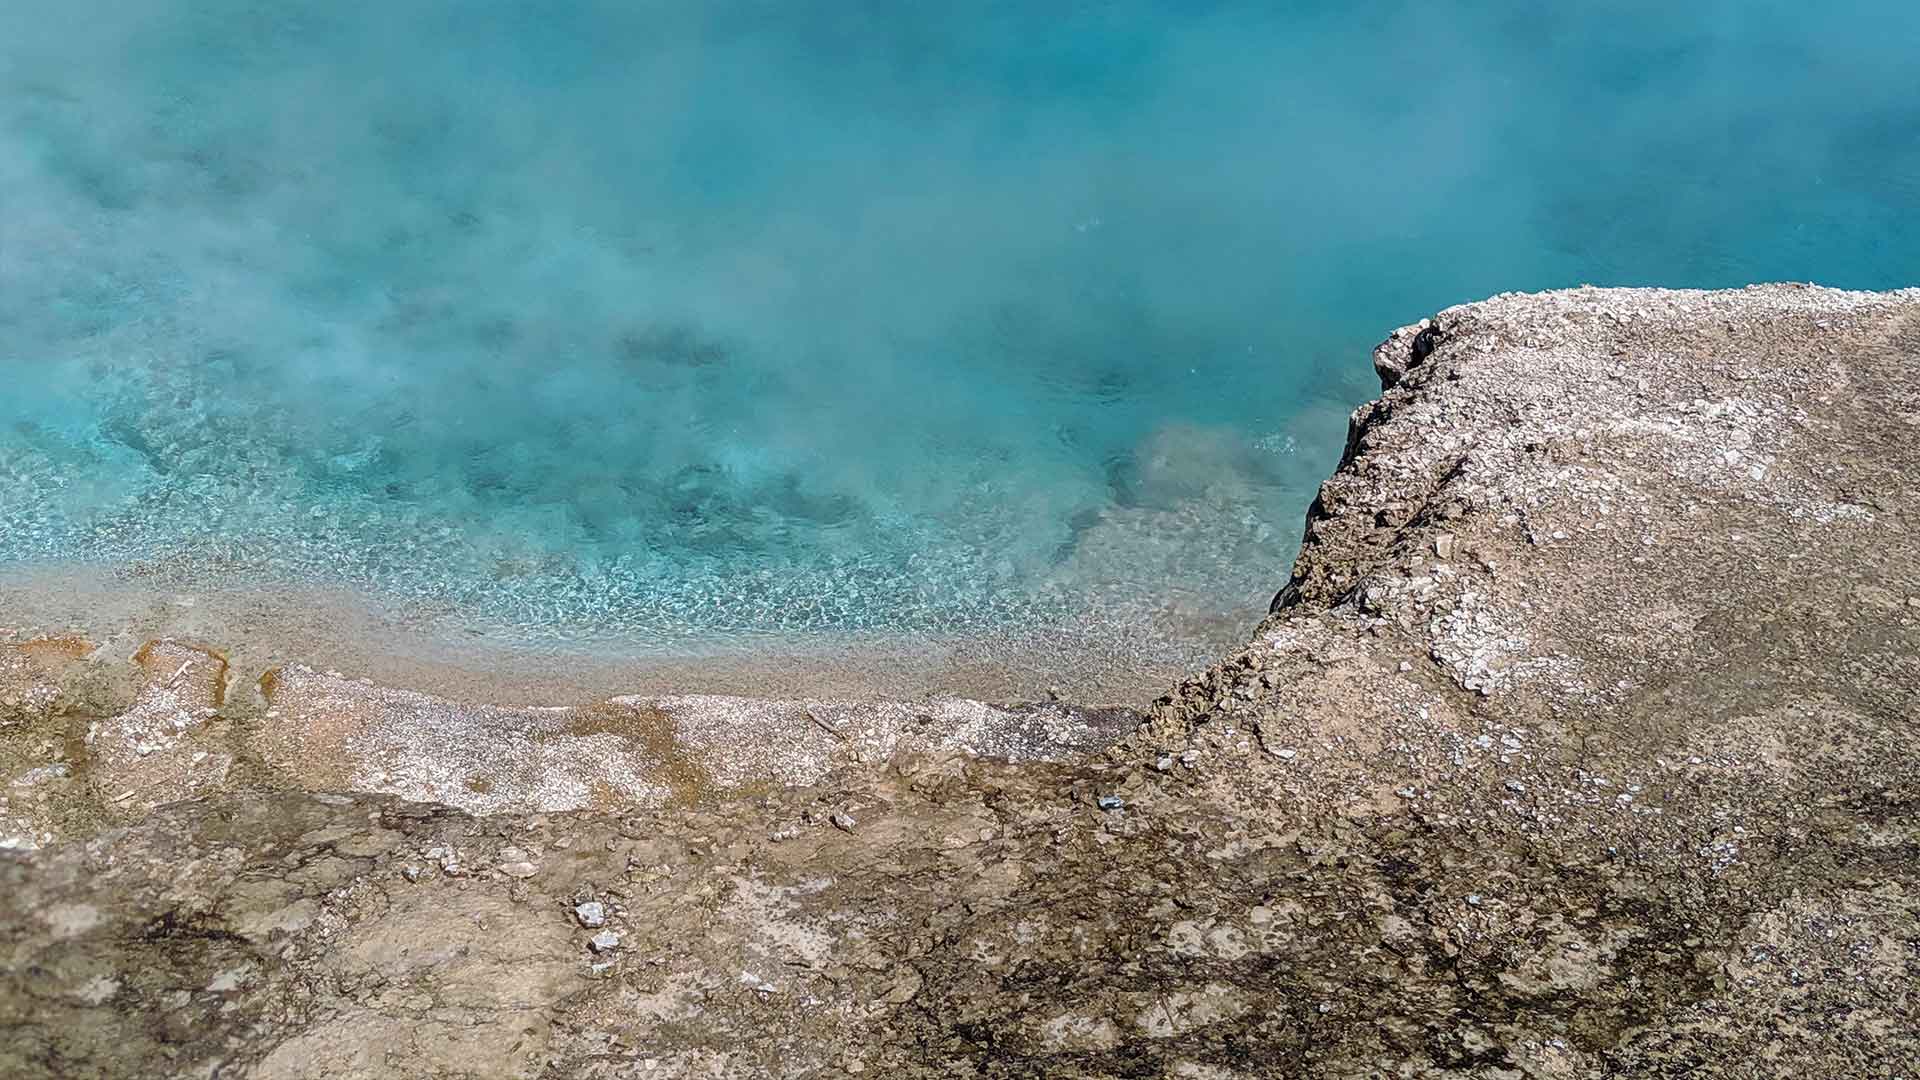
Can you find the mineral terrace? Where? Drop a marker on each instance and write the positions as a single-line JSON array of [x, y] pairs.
[[1581, 742]]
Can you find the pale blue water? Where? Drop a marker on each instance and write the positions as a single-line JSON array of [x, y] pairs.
[[672, 321]]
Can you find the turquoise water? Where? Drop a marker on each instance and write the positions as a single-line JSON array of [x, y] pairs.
[[674, 321]]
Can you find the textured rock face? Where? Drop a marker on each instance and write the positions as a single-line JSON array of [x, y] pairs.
[[1581, 743], [326, 732]]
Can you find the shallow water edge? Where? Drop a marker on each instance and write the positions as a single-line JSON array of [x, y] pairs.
[[1099, 657]]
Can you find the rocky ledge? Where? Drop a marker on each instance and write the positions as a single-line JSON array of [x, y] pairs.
[[1580, 743]]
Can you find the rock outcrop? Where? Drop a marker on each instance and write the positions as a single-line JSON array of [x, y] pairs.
[[1580, 743]]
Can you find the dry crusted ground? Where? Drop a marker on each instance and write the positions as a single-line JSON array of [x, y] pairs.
[[1581, 744]]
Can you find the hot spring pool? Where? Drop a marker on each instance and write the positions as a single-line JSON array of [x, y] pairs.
[[671, 327]]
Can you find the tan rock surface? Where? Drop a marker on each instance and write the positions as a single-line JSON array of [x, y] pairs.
[[323, 731], [36, 780], [153, 753]]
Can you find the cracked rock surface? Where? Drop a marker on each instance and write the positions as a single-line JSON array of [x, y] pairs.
[[1580, 743]]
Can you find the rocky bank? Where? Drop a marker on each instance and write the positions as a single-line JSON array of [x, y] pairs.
[[1581, 742]]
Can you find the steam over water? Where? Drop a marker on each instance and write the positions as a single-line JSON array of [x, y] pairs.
[[667, 323]]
